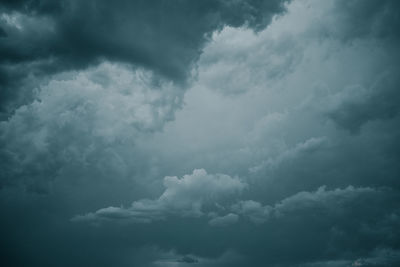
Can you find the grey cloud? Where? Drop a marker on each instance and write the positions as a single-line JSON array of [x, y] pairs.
[[308, 146], [228, 219], [293, 116], [362, 105], [80, 118], [335, 224], [165, 36], [357, 19], [188, 259], [2, 33], [227, 258], [183, 197], [321, 199], [224, 64], [253, 210], [380, 257], [311, 100]]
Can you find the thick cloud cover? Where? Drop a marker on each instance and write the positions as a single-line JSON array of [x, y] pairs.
[[45, 37], [79, 118], [113, 112]]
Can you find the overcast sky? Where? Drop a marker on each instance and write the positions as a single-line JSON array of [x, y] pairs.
[[200, 133]]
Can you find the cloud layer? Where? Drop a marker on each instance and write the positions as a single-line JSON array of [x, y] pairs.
[[111, 113], [42, 37]]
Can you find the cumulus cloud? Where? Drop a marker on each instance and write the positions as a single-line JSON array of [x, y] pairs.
[[166, 37], [290, 135], [224, 65], [310, 100], [184, 196], [81, 116]]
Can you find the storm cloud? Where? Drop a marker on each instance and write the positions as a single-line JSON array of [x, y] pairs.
[[200, 133], [40, 38]]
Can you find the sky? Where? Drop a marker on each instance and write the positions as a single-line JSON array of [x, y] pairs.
[[200, 133]]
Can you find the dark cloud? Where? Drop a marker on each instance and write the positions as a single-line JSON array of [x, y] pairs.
[[2, 33], [380, 257], [111, 106], [164, 36], [378, 102], [358, 19]]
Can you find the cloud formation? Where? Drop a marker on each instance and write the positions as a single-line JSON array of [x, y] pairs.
[[321, 200], [42, 37], [102, 102], [228, 219], [80, 116], [184, 196]]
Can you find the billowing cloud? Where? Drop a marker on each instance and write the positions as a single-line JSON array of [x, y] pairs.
[[42, 37], [184, 196], [102, 102], [81, 117]]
